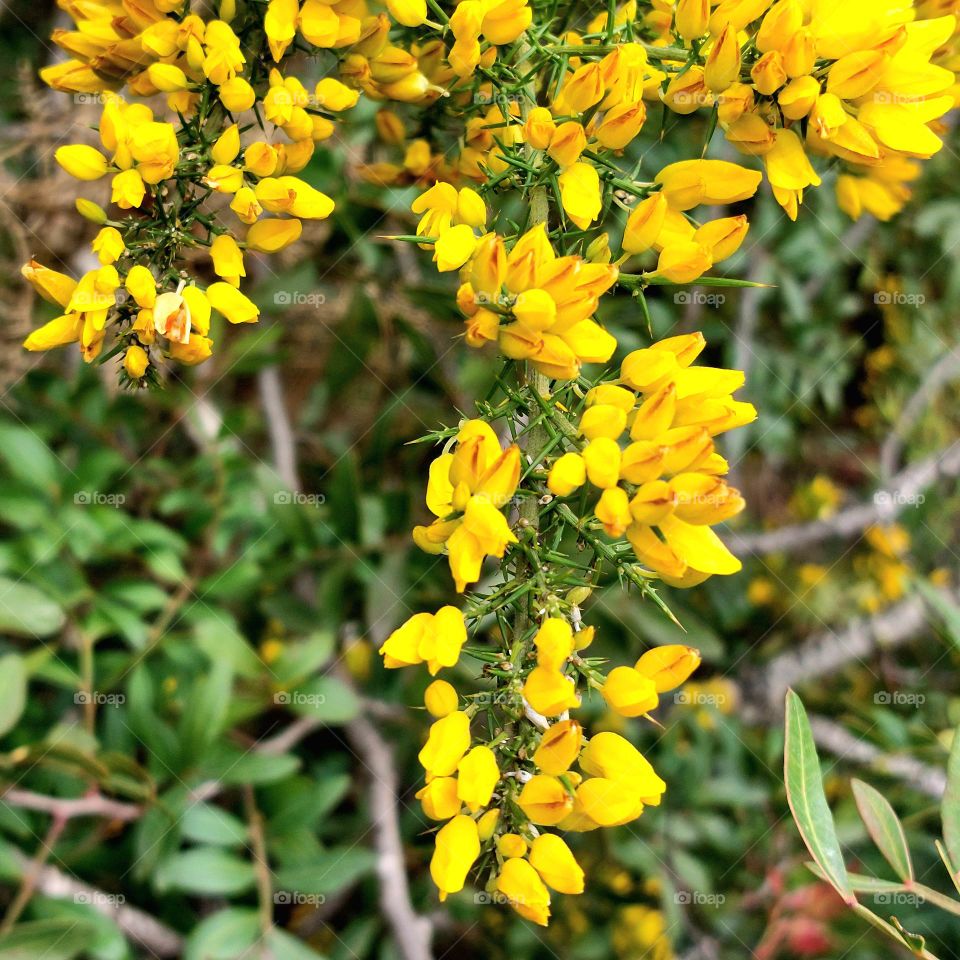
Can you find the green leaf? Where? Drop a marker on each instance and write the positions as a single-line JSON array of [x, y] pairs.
[[27, 612], [324, 698], [223, 936], [945, 608], [336, 868], [13, 690], [282, 944], [808, 803], [950, 805], [28, 458], [61, 939], [205, 871], [884, 827], [206, 823]]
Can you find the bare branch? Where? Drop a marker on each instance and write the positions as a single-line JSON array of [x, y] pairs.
[[92, 805], [845, 745], [144, 930], [938, 376], [905, 489]]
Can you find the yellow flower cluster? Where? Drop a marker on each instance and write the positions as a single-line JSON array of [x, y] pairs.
[[466, 492], [854, 81], [495, 796], [668, 477]]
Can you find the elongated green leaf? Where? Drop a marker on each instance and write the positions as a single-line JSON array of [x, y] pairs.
[[203, 871], [861, 883], [808, 803], [948, 863], [26, 612], [950, 805], [884, 828], [945, 608], [13, 690], [60, 939]]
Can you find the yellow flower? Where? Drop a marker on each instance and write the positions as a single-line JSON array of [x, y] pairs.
[[610, 756], [689, 183], [645, 223], [567, 474], [227, 259], [629, 692], [81, 161], [559, 747], [545, 800], [511, 845], [335, 96], [549, 691], [432, 638], [135, 362], [558, 869], [477, 776], [440, 699], [448, 741], [439, 798], [581, 193], [128, 190], [457, 847], [411, 13], [54, 287], [691, 18], [668, 666], [237, 95], [234, 305], [269, 236], [554, 643], [723, 62], [465, 492], [524, 890], [227, 147]]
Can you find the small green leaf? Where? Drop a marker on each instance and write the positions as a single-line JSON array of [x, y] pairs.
[[950, 805], [205, 823], [884, 827], [13, 690], [324, 698], [808, 803], [224, 935], [27, 612], [204, 871], [28, 458], [61, 939]]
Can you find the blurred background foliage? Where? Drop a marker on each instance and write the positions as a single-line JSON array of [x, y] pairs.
[[189, 615]]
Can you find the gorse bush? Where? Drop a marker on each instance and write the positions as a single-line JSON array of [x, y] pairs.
[[528, 129]]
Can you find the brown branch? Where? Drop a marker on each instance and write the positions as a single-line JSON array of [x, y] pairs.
[[66, 808], [841, 742], [411, 931], [907, 488], [828, 651], [143, 929]]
